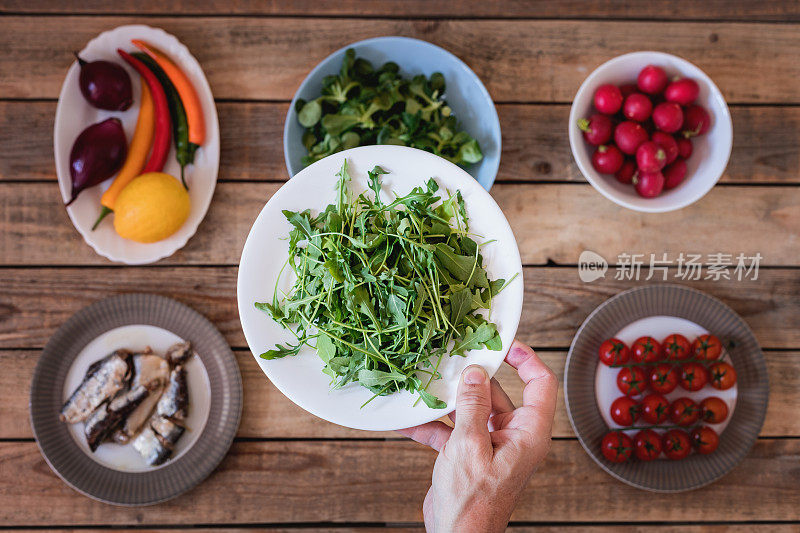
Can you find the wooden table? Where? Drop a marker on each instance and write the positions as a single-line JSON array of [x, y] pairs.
[[289, 469]]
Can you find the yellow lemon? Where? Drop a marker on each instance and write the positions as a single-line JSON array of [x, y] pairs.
[[151, 208]]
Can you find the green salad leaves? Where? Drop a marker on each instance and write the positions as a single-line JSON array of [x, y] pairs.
[[364, 106], [384, 288]]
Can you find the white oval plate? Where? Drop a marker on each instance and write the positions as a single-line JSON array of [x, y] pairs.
[[300, 378], [74, 114]]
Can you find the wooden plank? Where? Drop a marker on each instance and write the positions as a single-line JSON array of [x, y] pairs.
[[769, 10], [514, 527], [357, 481], [519, 61], [268, 414], [551, 222], [35, 301], [766, 146]]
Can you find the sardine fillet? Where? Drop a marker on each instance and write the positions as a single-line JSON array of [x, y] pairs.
[[103, 380]]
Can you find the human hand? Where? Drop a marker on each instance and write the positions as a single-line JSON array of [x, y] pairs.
[[486, 460]]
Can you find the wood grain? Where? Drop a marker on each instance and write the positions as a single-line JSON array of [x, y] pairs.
[[268, 414], [357, 481], [766, 147], [513, 527], [518, 61], [744, 10], [551, 222], [36, 301]]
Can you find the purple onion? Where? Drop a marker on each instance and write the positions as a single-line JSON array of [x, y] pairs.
[[105, 85], [98, 153]]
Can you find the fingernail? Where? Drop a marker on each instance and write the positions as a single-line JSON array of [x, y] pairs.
[[475, 375]]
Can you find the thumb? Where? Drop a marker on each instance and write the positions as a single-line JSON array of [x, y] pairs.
[[473, 405]]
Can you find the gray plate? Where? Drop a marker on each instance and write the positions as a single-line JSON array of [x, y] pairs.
[[751, 404], [79, 470]]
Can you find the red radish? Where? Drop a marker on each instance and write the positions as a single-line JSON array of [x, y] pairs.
[[628, 89], [649, 184], [652, 79], [626, 172], [684, 147], [683, 91], [696, 122], [628, 136], [650, 157], [607, 159], [668, 117], [637, 107], [596, 130], [608, 99], [674, 174], [668, 143]]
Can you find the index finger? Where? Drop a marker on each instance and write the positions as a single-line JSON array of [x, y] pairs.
[[541, 384]]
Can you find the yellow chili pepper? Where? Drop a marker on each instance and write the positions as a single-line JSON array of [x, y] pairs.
[[137, 154]]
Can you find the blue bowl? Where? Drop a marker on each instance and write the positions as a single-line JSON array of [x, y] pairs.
[[465, 94]]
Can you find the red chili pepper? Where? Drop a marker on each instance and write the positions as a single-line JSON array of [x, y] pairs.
[[161, 137]]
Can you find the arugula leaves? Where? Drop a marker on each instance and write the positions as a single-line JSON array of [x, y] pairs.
[[364, 106], [385, 290]]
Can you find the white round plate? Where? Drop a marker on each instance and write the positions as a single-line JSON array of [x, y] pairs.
[[659, 327], [74, 114], [136, 338], [300, 378]]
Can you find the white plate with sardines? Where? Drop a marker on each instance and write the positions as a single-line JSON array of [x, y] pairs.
[[372, 279], [146, 112], [135, 399]]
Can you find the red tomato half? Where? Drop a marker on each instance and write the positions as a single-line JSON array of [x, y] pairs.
[[721, 375], [647, 445], [694, 376], [617, 447], [663, 378], [676, 347], [684, 412], [714, 410], [676, 444], [706, 348], [631, 381], [705, 440], [646, 350], [624, 411], [654, 408], [614, 352]]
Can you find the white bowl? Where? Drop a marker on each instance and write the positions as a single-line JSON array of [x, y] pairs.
[[711, 151], [74, 113], [300, 378]]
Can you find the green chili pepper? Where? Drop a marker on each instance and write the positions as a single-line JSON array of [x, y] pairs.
[[184, 150]]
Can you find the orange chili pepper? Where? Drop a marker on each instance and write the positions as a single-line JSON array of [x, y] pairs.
[[189, 97], [137, 154]]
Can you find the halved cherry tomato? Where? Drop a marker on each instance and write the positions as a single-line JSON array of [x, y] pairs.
[[676, 444], [631, 381], [654, 408], [664, 378], [694, 376], [705, 440], [684, 412], [647, 445], [706, 348], [676, 347], [646, 350], [617, 447], [614, 352], [721, 375], [624, 411], [714, 410]]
